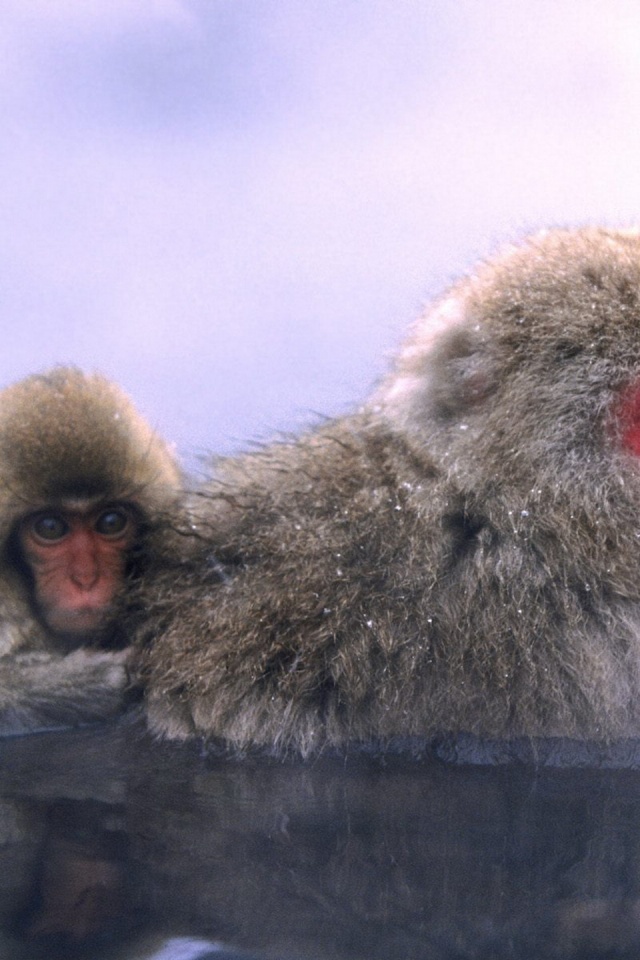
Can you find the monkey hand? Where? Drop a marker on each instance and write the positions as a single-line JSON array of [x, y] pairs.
[[41, 691]]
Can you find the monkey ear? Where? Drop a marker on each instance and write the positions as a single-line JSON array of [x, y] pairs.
[[458, 375], [444, 373]]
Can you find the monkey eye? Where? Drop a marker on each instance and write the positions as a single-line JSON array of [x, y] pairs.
[[112, 522], [49, 527]]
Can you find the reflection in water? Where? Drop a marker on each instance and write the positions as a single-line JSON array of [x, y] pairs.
[[81, 888], [114, 847]]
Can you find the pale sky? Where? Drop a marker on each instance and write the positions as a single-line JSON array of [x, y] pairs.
[[236, 207]]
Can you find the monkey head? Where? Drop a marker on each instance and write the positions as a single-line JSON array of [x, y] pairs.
[[83, 483], [528, 372]]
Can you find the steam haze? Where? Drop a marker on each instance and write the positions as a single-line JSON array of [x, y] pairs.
[[235, 207]]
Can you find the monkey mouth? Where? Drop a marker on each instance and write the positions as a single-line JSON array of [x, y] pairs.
[[81, 621]]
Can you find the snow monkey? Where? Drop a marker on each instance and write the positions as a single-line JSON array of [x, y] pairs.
[[85, 486], [462, 554]]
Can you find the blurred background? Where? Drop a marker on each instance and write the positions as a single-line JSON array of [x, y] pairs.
[[235, 207]]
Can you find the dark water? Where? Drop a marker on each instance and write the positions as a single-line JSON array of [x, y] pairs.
[[114, 848]]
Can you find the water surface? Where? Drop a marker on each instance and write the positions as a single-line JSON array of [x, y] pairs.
[[114, 847]]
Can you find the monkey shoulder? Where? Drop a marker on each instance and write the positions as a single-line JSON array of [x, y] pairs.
[[341, 492]]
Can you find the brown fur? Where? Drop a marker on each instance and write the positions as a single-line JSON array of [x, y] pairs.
[[68, 437], [461, 555]]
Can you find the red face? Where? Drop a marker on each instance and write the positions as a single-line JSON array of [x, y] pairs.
[[78, 561], [628, 415]]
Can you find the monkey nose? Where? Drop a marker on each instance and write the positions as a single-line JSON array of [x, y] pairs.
[[84, 575]]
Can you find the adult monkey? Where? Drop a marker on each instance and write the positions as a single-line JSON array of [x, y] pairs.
[[461, 555], [85, 488]]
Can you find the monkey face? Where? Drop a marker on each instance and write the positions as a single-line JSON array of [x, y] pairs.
[[77, 559]]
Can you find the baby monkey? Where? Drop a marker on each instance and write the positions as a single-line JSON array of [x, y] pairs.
[[85, 488]]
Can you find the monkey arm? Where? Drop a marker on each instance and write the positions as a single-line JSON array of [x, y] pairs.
[[42, 690]]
